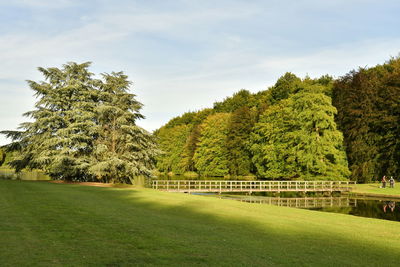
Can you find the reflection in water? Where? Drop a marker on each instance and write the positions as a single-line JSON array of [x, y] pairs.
[[375, 208], [298, 202], [363, 207], [391, 205]]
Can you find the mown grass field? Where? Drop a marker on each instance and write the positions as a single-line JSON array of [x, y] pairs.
[[50, 224], [376, 189]]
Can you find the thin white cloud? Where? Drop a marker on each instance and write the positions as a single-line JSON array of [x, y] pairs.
[[48, 4], [336, 60]]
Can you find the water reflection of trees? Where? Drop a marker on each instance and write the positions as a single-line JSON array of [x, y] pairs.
[[371, 208], [380, 209], [337, 209]]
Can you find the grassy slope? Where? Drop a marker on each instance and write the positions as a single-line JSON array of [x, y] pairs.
[[375, 189], [55, 224]]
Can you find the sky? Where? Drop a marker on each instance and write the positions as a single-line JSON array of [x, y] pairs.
[[184, 55]]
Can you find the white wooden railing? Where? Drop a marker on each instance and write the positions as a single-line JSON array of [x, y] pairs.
[[251, 186]]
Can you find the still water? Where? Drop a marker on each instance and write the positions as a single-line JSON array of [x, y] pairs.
[[364, 207], [34, 175], [386, 209]]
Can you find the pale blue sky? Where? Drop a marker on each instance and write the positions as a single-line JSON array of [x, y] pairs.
[[185, 55]]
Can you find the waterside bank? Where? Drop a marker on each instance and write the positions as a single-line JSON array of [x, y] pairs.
[[375, 190]]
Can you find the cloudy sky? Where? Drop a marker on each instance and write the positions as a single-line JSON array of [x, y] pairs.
[[184, 54]]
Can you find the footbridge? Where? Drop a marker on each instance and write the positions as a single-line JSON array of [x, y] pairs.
[[193, 186]]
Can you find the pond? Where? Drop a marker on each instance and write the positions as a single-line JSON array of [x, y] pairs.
[[364, 207], [371, 208], [33, 175]]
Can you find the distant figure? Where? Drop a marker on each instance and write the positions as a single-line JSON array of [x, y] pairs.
[[384, 181], [392, 205], [391, 181]]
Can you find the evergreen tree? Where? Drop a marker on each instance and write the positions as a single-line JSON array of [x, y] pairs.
[[60, 138], [71, 123], [122, 149], [211, 157]]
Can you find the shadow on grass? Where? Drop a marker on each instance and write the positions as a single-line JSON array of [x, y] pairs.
[[77, 225]]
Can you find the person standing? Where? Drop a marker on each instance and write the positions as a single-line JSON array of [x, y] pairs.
[[391, 182], [384, 181]]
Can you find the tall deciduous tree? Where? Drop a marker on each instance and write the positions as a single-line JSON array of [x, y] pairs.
[[239, 128], [369, 114], [171, 142], [211, 157], [243, 98], [187, 162], [284, 86], [297, 138]]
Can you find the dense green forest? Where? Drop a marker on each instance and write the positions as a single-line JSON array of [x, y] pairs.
[[368, 104], [307, 128], [84, 128]]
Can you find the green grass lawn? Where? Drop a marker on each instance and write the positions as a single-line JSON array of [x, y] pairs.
[[58, 224], [375, 189]]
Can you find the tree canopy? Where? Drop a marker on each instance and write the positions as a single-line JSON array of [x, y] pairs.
[[368, 103], [172, 142], [239, 128], [83, 128], [297, 138], [286, 132], [211, 156]]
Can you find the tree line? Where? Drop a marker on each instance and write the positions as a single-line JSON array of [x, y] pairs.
[[297, 129], [84, 128], [368, 104]]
